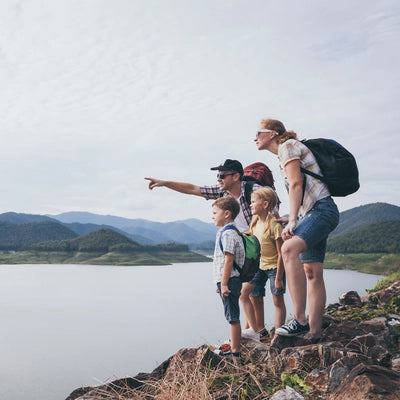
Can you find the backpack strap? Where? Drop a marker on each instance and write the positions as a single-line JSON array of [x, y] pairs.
[[248, 188], [316, 176], [303, 188], [307, 172], [220, 242], [225, 229]]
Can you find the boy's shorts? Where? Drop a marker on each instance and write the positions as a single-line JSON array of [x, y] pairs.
[[315, 227], [231, 303], [260, 279]]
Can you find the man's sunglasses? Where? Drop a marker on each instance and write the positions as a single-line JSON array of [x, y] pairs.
[[223, 176]]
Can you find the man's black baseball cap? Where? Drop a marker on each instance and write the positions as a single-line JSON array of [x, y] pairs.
[[229, 165]]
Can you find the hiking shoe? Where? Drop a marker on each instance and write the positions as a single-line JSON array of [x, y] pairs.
[[292, 328], [250, 334]]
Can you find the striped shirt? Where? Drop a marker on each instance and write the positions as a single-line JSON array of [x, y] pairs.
[[315, 190]]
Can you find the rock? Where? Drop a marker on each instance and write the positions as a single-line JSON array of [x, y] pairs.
[[369, 345], [396, 363], [340, 369], [387, 294], [188, 359], [351, 298], [120, 386], [287, 394], [368, 382]]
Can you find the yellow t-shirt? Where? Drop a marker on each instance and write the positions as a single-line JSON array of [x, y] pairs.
[[269, 254]]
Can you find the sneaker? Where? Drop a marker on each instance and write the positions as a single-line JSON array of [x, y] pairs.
[[250, 334], [223, 350], [292, 328], [264, 335], [231, 354]]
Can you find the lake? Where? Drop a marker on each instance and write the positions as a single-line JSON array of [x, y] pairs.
[[67, 326]]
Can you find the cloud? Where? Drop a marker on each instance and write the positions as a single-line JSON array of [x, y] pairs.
[[96, 96]]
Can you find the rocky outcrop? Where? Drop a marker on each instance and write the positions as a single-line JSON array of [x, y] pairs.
[[358, 357]]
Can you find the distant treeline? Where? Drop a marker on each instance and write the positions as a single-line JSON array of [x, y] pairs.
[[381, 237]]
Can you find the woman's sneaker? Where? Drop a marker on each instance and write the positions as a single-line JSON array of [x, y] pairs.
[[293, 328]]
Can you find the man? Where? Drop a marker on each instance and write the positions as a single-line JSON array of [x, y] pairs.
[[229, 177], [230, 182]]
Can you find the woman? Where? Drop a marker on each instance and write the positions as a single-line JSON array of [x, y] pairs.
[[312, 216]]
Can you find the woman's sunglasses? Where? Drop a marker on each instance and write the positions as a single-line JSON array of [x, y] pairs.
[[262, 131]]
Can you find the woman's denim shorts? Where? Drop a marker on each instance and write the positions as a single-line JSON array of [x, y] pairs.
[[315, 227]]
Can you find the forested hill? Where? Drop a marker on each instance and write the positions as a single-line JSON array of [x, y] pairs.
[[358, 217], [381, 237], [102, 240], [17, 236]]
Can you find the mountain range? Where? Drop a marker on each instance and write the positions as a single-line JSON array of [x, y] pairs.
[[145, 231], [195, 233]]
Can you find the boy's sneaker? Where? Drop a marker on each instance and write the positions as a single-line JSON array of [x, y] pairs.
[[231, 354], [223, 350], [250, 334], [293, 328]]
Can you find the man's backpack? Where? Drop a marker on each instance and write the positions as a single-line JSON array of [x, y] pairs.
[[256, 173], [338, 166], [252, 254]]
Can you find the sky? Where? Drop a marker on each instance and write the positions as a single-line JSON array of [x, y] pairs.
[[98, 94]]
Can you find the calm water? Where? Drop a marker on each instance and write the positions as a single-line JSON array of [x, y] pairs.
[[66, 326]]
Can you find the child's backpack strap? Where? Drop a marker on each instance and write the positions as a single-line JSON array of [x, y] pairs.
[[220, 241], [223, 230]]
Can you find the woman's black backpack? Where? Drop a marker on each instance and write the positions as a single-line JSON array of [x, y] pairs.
[[337, 164]]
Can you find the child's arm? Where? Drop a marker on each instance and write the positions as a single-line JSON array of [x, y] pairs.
[[226, 274], [280, 267]]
